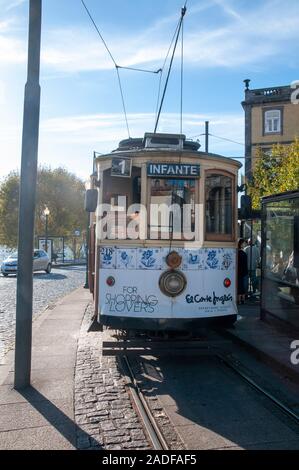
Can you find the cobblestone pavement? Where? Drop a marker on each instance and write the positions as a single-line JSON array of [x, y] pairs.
[[147, 376], [47, 289], [103, 408]]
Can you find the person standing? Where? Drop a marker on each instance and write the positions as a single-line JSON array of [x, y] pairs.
[[253, 260], [242, 272]]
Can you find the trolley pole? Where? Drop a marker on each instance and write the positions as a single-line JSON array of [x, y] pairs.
[[27, 201]]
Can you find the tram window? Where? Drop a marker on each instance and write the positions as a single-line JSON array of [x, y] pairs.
[[174, 223], [120, 193], [219, 207]]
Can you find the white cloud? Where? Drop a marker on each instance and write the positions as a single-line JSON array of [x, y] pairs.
[[2, 93], [12, 51], [243, 38], [69, 141], [102, 128], [10, 5], [240, 37]]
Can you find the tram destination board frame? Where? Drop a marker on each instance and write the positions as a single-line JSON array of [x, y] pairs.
[[174, 170], [121, 167]]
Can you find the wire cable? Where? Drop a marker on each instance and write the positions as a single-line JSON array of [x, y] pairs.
[[228, 140], [139, 70], [218, 137], [183, 11], [182, 76], [163, 66], [123, 101], [98, 31]]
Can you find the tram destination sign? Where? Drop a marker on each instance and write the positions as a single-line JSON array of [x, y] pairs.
[[177, 170], [121, 167]]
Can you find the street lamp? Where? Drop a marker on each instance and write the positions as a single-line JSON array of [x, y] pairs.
[[86, 286], [46, 214], [27, 201]]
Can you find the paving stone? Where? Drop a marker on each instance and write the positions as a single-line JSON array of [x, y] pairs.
[[137, 434], [47, 289], [116, 439], [102, 401]]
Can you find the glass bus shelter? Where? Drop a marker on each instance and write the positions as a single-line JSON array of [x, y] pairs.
[[280, 257]]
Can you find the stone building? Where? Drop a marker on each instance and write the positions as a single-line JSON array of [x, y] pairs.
[[271, 117]]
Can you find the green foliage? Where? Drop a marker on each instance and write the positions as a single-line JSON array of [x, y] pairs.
[[62, 192], [275, 173], [9, 210]]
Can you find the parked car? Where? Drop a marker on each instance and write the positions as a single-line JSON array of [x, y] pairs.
[[41, 262]]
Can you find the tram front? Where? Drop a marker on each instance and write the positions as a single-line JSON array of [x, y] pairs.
[[166, 229]]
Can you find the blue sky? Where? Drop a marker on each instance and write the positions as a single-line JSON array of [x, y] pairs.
[[225, 41]]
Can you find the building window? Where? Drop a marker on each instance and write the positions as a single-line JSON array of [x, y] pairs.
[[219, 207], [273, 121]]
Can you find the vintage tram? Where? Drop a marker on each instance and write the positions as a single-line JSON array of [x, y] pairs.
[[163, 235]]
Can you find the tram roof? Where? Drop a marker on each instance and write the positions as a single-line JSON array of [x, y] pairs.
[[158, 142]]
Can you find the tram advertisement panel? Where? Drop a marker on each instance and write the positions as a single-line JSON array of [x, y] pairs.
[[135, 274]]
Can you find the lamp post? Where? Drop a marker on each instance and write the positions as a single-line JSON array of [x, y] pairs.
[[46, 214], [27, 201], [86, 285]]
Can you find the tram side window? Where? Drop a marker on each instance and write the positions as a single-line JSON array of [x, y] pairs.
[[219, 207], [121, 194]]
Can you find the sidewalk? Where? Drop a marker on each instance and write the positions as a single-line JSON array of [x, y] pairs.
[[42, 416], [269, 340]]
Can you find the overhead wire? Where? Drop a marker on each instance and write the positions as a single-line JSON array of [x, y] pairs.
[[182, 75], [160, 70], [98, 31], [234, 142], [183, 11], [163, 66], [218, 137], [117, 67], [123, 101], [139, 70]]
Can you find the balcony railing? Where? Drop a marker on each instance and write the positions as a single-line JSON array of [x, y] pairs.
[[265, 94]]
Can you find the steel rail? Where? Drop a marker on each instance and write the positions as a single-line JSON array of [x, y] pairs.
[[150, 424], [260, 389]]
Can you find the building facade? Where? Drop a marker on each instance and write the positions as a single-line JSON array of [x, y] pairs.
[[271, 117]]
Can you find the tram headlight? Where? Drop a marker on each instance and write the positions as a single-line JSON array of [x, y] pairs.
[[172, 283], [227, 282], [173, 260]]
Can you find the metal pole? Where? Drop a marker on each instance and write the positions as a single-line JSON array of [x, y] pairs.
[[27, 201], [250, 251], [207, 136], [46, 237], [86, 286]]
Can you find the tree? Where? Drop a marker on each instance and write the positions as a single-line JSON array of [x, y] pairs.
[[275, 172], [9, 210], [61, 191]]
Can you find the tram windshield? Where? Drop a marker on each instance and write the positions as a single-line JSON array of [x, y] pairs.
[[172, 207]]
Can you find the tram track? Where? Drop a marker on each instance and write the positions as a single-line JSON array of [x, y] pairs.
[[278, 403], [133, 350], [149, 423]]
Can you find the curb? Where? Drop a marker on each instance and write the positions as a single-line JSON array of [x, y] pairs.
[[264, 356], [66, 265]]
